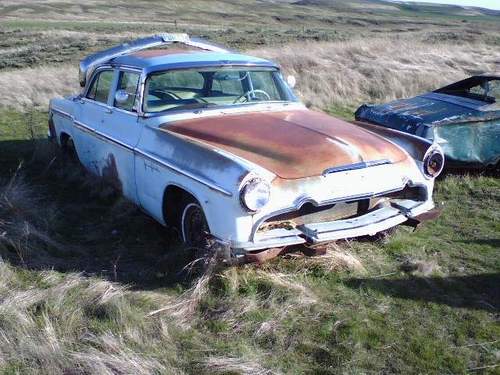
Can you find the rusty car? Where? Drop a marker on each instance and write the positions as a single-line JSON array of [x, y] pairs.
[[463, 118], [215, 143]]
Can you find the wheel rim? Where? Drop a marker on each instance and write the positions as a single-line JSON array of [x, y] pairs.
[[194, 225]]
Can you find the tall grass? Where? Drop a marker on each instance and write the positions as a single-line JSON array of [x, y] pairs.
[[374, 70]]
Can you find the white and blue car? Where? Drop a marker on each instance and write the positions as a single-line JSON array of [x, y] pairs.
[[215, 143]]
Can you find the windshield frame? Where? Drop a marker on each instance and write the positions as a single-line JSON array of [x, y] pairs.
[[280, 83]]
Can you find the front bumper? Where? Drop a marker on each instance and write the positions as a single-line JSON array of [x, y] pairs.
[[375, 221]]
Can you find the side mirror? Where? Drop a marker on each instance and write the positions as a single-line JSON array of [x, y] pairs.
[[121, 96], [291, 81]]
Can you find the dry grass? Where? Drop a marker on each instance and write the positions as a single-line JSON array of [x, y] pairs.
[[34, 87], [235, 365], [368, 70], [329, 74], [53, 347]]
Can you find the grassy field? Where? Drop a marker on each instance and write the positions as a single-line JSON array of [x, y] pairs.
[[90, 285]]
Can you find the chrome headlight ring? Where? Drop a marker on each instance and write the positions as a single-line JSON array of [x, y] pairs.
[[433, 162], [255, 194]]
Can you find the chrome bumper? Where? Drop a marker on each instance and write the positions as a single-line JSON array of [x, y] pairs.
[[365, 225]]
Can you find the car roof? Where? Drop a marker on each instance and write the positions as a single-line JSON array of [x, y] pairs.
[[161, 59]]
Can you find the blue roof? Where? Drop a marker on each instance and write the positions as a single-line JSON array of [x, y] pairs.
[[188, 59]]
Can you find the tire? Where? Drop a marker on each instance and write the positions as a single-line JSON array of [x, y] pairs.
[[192, 224]]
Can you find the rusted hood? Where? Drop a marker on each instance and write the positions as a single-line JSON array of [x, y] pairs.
[[292, 144]]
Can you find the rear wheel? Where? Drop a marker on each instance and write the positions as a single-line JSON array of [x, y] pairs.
[[68, 149]]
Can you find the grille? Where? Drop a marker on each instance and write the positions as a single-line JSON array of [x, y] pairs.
[[310, 214]]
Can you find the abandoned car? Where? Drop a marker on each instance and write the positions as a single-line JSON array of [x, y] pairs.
[[463, 118], [215, 143]]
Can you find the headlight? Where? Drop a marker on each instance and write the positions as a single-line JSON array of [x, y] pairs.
[[255, 194], [433, 162]]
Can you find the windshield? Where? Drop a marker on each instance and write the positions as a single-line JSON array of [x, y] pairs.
[[199, 88], [486, 89]]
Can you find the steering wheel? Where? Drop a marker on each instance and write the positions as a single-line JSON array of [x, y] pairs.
[[249, 92]]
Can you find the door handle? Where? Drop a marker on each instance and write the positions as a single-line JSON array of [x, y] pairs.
[[108, 110]]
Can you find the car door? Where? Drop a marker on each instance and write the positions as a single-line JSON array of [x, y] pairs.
[[118, 133], [89, 114]]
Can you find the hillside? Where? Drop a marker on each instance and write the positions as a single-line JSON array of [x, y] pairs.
[[49, 31]]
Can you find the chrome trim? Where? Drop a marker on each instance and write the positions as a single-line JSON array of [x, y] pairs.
[[360, 165], [114, 140], [201, 180], [259, 222], [99, 134], [61, 112], [126, 67], [162, 162], [82, 126]]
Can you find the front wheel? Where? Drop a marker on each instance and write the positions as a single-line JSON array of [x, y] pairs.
[[193, 225]]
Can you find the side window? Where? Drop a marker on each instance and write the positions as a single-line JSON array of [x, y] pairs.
[[128, 82], [99, 89]]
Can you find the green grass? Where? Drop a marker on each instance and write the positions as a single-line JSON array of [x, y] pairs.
[[291, 315]]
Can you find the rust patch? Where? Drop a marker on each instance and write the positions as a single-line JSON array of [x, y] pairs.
[[420, 219], [292, 144], [265, 255]]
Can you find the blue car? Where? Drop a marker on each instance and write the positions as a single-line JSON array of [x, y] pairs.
[[463, 118]]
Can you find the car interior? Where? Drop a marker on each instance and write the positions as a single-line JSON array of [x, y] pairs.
[[190, 88]]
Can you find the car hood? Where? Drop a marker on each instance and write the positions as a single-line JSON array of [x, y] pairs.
[[291, 144], [415, 114]]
